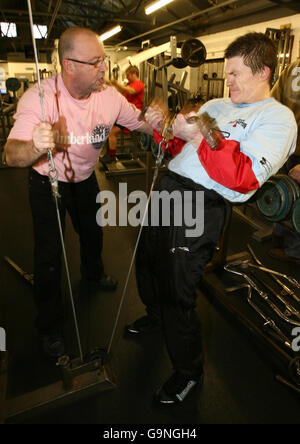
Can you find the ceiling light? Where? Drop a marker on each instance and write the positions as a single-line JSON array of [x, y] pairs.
[[156, 5], [110, 33]]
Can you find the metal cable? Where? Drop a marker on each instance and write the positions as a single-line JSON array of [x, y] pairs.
[[54, 184], [159, 159]]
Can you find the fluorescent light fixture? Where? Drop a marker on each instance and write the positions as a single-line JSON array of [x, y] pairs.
[[8, 29], [110, 33], [40, 31], [156, 5]]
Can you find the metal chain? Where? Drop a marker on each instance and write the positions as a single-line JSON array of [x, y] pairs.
[[53, 175]]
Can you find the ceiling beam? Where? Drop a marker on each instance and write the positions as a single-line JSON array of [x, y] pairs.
[[124, 6], [49, 5], [290, 4], [138, 6], [169, 11], [74, 16], [10, 40], [194, 4], [53, 18], [189, 17]]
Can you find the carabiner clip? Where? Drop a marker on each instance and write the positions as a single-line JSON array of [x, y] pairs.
[[161, 152]]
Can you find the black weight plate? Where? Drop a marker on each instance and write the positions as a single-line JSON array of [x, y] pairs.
[[296, 186], [179, 63], [13, 84], [280, 213], [293, 188], [269, 200], [292, 182], [193, 52], [292, 193], [287, 201], [295, 216]]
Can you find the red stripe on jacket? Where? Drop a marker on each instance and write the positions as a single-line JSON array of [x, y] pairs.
[[174, 145], [227, 165]]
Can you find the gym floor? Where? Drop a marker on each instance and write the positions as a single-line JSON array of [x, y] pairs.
[[239, 385]]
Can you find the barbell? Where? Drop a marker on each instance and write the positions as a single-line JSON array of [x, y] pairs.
[[193, 54]]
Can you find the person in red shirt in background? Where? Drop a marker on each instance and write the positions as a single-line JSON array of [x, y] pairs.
[[134, 93]]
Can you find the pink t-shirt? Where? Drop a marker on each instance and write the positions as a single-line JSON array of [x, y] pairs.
[[81, 126]]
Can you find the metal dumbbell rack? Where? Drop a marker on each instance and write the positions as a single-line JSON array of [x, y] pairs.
[[262, 301]]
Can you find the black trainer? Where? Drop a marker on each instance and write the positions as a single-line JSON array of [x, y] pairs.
[[105, 283], [141, 326], [53, 345], [176, 388]]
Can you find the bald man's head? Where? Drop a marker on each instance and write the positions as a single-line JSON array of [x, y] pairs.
[[67, 41]]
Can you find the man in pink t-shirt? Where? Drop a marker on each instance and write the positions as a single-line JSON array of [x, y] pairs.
[[80, 110], [134, 93]]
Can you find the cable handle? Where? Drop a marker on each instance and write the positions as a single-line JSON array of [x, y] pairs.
[[52, 174]]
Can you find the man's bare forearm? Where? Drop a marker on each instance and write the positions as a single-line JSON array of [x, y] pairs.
[[20, 153], [124, 89], [128, 90]]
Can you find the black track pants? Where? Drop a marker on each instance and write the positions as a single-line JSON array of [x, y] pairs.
[[169, 266], [79, 199]]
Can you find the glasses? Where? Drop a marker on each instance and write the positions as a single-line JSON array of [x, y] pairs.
[[95, 64]]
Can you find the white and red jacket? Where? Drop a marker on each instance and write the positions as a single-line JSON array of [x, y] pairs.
[[259, 138]]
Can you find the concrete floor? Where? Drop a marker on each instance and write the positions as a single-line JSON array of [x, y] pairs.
[[239, 385]]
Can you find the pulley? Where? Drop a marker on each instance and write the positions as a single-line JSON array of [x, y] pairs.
[[193, 52], [13, 84]]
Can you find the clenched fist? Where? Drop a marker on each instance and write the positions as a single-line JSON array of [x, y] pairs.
[[189, 132], [156, 114], [43, 137]]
